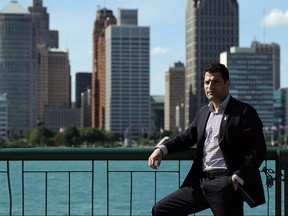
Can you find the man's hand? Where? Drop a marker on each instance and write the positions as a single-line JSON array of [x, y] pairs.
[[155, 156]]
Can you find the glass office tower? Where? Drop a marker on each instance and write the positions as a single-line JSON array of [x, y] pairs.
[[18, 67], [127, 77]]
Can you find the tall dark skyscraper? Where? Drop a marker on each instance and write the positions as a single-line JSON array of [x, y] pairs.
[[212, 27], [103, 20], [83, 83]]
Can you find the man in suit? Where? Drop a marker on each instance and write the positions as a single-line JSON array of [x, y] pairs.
[[230, 149]]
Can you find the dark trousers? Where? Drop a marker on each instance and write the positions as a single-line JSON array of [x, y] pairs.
[[216, 193]]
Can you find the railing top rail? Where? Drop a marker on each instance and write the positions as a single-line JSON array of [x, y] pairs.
[[107, 154]]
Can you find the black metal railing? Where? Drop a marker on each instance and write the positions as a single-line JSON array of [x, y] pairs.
[[98, 174]]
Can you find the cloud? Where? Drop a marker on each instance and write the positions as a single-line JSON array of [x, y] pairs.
[[160, 50], [275, 18]]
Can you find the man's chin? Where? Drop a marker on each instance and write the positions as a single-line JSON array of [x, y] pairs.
[[210, 97]]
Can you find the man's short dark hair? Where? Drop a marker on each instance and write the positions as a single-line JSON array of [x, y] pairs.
[[217, 67]]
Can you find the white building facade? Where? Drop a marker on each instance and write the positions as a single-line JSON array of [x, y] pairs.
[[127, 48]]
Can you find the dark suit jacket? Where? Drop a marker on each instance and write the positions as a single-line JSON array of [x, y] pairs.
[[241, 140]]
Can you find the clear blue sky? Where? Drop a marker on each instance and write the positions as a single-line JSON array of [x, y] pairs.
[[263, 20]]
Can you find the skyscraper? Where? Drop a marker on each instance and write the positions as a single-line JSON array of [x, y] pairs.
[[280, 105], [103, 19], [83, 83], [59, 80], [85, 110], [212, 27], [46, 38], [127, 110], [157, 114], [40, 17], [252, 79], [174, 97], [3, 116], [18, 66], [272, 49]]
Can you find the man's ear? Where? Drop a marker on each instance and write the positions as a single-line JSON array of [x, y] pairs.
[[228, 83]]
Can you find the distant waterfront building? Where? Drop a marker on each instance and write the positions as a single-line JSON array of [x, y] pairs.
[[104, 18], [272, 49], [18, 66], [85, 114], [280, 105], [174, 97], [83, 83], [59, 80], [252, 79], [157, 113], [58, 117], [3, 116], [127, 88], [212, 27]]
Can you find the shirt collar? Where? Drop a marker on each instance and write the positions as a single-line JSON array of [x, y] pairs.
[[222, 105]]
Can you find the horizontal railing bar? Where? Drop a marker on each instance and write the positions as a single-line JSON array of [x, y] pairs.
[[135, 171], [57, 171], [18, 154]]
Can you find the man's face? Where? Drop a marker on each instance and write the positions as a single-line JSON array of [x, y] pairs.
[[215, 88]]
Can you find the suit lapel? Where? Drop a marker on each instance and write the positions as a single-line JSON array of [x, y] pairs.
[[225, 120], [202, 125]]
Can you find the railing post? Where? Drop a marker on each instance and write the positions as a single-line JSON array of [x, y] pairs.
[[277, 185], [286, 192], [284, 166]]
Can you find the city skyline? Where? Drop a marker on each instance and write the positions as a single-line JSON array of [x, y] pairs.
[[75, 21]]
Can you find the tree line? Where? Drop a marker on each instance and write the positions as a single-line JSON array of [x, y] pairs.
[[42, 136], [72, 136]]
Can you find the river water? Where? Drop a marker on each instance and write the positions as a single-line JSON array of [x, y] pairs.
[[49, 181]]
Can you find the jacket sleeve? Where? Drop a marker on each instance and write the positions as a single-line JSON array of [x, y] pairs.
[[184, 140], [253, 141]]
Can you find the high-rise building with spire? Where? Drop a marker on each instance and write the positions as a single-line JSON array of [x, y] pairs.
[[18, 66], [41, 18], [212, 27], [46, 38], [104, 18]]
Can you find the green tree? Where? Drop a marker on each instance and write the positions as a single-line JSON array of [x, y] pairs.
[[58, 139], [89, 135], [143, 142], [2, 143], [40, 136], [107, 138], [160, 135], [71, 136], [17, 143]]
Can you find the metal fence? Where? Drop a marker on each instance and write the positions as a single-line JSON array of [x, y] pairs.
[[15, 201]]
